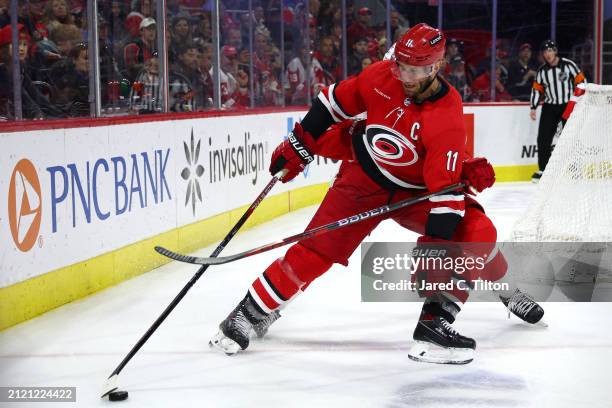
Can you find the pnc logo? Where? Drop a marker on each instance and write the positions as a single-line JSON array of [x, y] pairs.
[[24, 205]]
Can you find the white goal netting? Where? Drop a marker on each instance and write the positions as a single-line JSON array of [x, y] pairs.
[[573, 201]]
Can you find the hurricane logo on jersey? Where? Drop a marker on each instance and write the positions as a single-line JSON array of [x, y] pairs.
[[387, 146]]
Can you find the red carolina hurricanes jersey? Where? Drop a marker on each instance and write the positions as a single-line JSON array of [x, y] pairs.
[[406, 144]]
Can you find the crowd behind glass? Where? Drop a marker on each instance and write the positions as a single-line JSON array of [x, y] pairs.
[[270, 53]]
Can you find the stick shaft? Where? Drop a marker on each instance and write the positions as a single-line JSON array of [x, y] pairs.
[[197, 276], [353, 219]]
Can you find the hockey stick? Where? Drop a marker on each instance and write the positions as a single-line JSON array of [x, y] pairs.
[[353, 219], [111, 382]]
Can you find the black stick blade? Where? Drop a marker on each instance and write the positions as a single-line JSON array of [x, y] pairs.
[[190, 259]]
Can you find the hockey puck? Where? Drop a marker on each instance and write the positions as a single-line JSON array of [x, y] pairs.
[[118, 396]]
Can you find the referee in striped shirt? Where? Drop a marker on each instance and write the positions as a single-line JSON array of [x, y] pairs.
[[555, 82]]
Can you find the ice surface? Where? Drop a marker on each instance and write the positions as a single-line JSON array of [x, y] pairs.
[[328, 349]]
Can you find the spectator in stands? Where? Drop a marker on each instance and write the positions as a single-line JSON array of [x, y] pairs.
[[313, 30], [295, 78], [234, 38], [365, 62], [521, 73], [244, 59], [144, 7], [70, 76], [481, 86], [268, 90], [145, 95], [258, 16], [276, 66], [234, 85], [295, 29], [453, 48], [65, 36], [141, 50], [457, 78], [57, 12], [203, 29], [314, 6], [261, 46], [229, 59], [205, 63], [77, 14], [360, 28], [336, 36], [399, 33], [360, 51], [33, 103], [380, 49], [116, 16], [108, 66], [132, 26], [24, 17], [327, 13], [118, 34], [325, 67], [5, 18], [180, 31], [395, 22], [485, 63], [188, 91], [37, 12]]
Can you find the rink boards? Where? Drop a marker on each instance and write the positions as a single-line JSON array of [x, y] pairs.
[[83, 207]]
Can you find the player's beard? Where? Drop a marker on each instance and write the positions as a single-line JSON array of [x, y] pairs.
[[414, 89]]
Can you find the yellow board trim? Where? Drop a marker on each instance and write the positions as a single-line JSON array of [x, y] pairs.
[[25, 300], [515, 173]]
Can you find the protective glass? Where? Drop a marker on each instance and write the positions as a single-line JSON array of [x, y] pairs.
[[410, 73]]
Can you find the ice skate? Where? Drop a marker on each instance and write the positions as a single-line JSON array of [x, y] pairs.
[[262, 327], [234, 332], [437, 342], [523, 306]]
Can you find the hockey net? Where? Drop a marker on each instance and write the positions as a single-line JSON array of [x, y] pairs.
[[573, 201]]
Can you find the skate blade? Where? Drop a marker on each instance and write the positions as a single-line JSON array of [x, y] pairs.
[[430, 353], [224, 344], [541, 322]]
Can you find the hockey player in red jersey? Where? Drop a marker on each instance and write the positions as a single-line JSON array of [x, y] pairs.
[[414, 141]]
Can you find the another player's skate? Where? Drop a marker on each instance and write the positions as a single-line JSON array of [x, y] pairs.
[[235, 330], [437, 342], [523, 306]]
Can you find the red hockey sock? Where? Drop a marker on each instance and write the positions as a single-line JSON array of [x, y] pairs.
[[286, 276]]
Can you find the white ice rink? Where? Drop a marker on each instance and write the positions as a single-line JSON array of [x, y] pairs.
[[328, 349]]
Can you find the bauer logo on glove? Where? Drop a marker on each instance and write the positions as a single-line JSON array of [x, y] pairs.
[[293, 154]]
